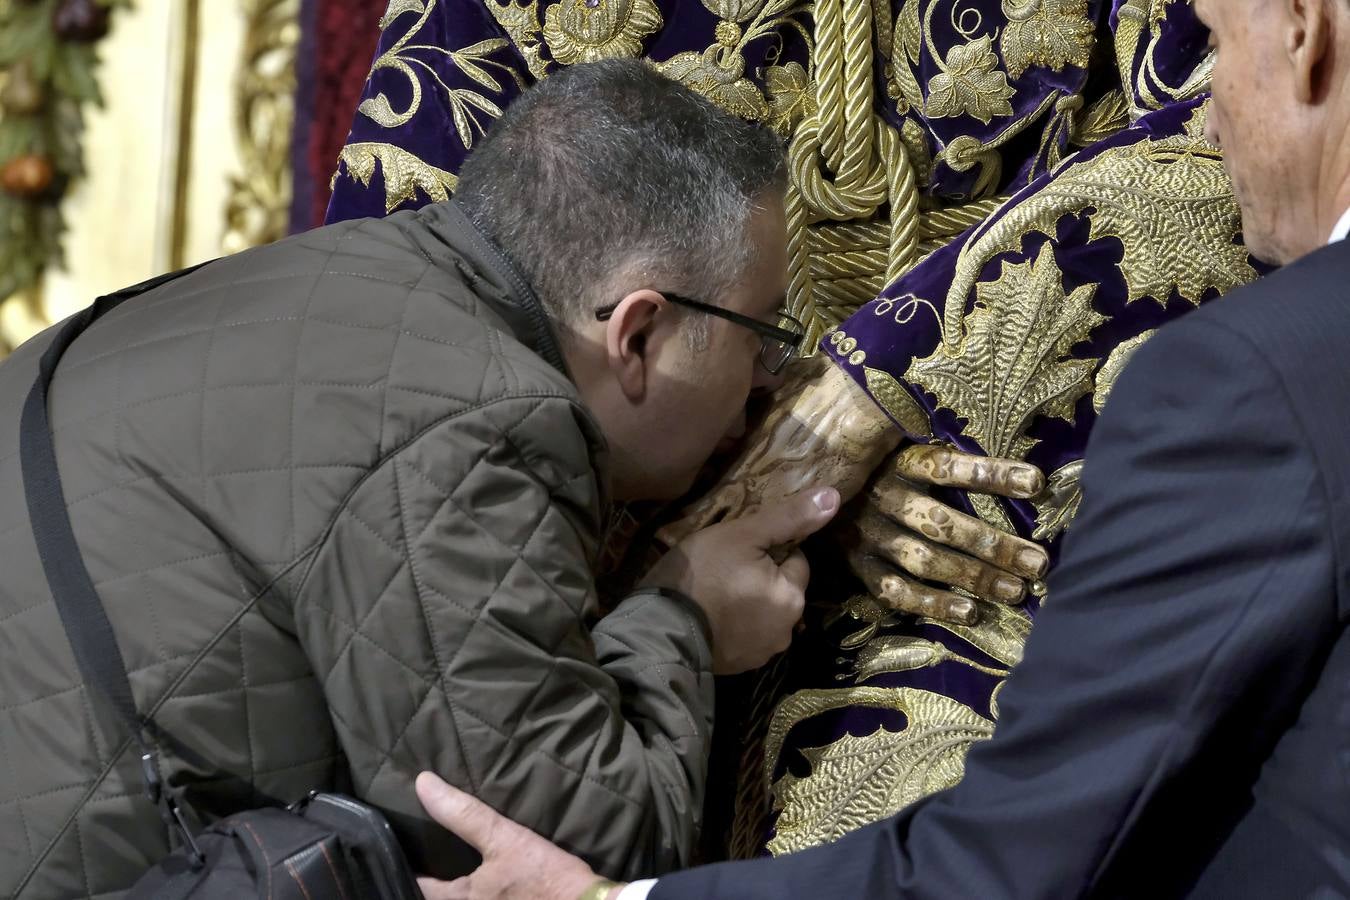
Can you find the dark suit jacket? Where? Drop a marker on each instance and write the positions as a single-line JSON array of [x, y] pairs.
[[1180, 725]]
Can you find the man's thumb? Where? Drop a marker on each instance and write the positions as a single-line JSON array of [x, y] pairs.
[[466, 816], [795, 519]]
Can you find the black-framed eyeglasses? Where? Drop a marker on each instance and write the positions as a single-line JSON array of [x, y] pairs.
[[778, 344]]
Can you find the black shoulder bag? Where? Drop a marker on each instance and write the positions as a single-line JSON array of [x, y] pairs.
[[325, 846]]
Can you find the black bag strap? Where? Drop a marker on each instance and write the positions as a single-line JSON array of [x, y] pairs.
[[82, 614]]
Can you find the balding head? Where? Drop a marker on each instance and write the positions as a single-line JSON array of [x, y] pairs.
[[1281, 111]]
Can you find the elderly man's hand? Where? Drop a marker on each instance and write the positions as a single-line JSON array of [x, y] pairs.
[[901, 529], [517, 863]]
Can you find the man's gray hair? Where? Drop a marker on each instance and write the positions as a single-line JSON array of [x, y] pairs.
[[609, 170]]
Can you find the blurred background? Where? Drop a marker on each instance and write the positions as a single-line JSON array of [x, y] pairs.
[[140, 136]]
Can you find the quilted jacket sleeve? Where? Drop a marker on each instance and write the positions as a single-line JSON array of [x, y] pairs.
[[446, 615]]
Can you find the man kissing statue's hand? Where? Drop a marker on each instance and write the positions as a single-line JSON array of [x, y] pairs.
[[823, 430]]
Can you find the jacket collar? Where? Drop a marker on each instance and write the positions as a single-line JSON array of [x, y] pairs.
[[508, 293]]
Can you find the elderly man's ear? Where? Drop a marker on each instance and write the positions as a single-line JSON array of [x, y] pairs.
[[1307, 37], [628, 335]]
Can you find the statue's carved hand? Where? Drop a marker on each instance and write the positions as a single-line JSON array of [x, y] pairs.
[[900, 529], [822, 431]]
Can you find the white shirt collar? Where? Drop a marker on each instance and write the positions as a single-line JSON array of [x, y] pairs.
[[1342, 229]]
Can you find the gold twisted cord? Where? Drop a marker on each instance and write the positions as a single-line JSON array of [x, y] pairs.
[[829, 75], [859, 136], [799, 293], [955, 219], [845, 236], [903, 190], [849, 293], [826, 198], [849, 263]]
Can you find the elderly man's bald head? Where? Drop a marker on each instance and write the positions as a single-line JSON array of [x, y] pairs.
[[1281, 111]]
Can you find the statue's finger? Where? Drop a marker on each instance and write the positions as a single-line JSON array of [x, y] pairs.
[[899, 593], [948, 467], [918, 512], [931, 561]]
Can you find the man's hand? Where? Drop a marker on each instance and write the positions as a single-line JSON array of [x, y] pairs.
[[901, 528], [752, 601], [517, 863]]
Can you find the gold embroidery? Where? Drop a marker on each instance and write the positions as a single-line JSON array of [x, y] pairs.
[[1114, 365], [904, 653], [718, 74], [898, 403], [404, 174], [1050, 33], [1101, 120], [867, 609], [521, 24], [1001, 632], [1064, 493], [789, 95], [971, 84], [1013, 363], [859, 780], [1168, 202], [472, 61], [733, 10], [587, 30]]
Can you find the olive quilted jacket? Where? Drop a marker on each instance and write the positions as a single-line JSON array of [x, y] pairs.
[[342, 504]]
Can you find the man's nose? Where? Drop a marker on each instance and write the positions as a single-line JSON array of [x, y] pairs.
[[1212, 129]]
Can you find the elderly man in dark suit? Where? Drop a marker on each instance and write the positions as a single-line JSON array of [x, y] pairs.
[[1180, 725]]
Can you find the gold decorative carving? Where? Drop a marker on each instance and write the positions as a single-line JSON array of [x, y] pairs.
[[859, 780], [258, 205], [404, 173], [1013, 362], [1063, 494]]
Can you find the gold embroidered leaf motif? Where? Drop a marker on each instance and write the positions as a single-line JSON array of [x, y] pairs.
[[1168, 203], [898, 403], [906, 45], [397, 8], [733, 10], [404, 174], [1114, 365], [970, 84], [1013, 362], [722, 83], [1050, 33], [1102, 119], [521, 24], [856, 781], [1001, 632], [1064, 494], [790, 98], [905, 653], [588, 30]]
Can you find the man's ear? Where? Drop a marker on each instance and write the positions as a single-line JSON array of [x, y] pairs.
[[627, 336], [1307, 41]]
